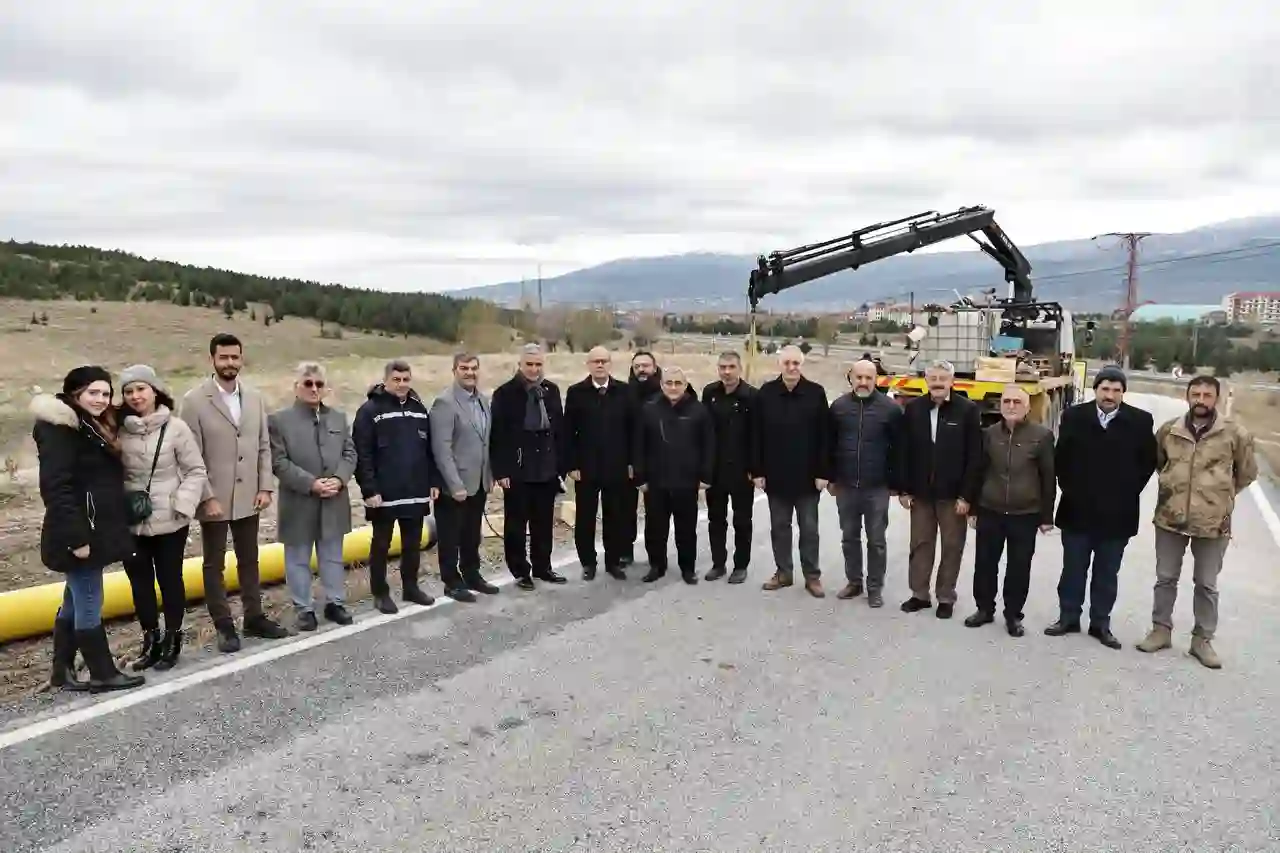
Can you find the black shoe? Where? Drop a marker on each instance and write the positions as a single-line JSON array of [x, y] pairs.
[[716, 573], [875, 598], [616, 571], [626, 560], [689, 577], [526, 583], [384, 604], [228, 639], [1061, 628], [588, 573], [945, 611], [479, 584], [307, 621], [1014, 627], [461, 593], [63, 674], [151, 652], [738, 576], [172, 647], [915, 605], [550, 576], [337, 613], [264, 628], [1102, 633], [980, 618], [654, 575], [414, 594], [103, 675]]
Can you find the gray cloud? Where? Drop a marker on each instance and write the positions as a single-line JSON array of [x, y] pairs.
[[393, 142]]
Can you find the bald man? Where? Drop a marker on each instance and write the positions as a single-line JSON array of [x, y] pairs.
[[1016, 498], [598, 436]]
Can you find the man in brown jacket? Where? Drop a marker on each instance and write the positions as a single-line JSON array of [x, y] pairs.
[[229, 420], [1203, 460], [1016, 499]]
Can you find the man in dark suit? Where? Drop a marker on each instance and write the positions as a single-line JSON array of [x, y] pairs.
[[729, 401], [1105, 455], [526, 450], [598, 417]]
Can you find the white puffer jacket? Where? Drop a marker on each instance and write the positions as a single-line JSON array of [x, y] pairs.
[[180, 475]]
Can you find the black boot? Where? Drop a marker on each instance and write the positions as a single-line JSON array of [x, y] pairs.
[[414, 594], [151, 652], [171, 648], [103, 675], [63, 674], [655, 574]]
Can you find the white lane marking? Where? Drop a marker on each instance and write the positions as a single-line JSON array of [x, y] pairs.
[[282, 649], [1264, 507]]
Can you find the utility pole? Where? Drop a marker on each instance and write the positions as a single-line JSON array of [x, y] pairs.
[[1131, 240]]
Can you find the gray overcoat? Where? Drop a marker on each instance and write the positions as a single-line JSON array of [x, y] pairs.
[[308, 445]]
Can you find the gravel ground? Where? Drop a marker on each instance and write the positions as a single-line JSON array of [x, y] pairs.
[[627, 717]]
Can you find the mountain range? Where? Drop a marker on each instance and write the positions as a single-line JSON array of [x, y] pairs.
[[1198, 266]]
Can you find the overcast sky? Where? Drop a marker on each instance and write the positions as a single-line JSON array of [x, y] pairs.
[[439, 143]]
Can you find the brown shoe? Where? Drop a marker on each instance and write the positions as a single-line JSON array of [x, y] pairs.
[[851, 590], [1157, 639], [1202, 650], [778, 581], [814, 587]]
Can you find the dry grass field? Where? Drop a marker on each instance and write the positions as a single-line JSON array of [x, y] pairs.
[[174, 341]]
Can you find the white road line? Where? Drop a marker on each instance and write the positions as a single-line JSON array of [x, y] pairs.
[[1268, 511], [284, 649]]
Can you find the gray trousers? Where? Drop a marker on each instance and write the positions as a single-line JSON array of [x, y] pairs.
[[297, 572], [867, 507], [1207, 556], [805, 509]]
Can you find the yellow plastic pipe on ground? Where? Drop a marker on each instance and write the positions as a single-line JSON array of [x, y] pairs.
[[30, 612]]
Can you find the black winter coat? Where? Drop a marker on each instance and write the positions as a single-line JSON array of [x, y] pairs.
[[1102, 472], [82, 486], [516, 453], [864, 441], [791, 437], [731, 415], [393, 452], [675, 445], [598, 430], [951, 468]]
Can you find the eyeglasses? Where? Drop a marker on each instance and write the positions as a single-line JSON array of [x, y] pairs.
[[313, 383]]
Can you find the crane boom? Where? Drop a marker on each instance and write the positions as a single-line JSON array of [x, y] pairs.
[[779, 271]]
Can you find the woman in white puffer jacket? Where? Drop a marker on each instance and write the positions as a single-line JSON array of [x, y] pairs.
[[152, 436]]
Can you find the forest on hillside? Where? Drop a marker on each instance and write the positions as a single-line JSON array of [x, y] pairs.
[[37, 271]]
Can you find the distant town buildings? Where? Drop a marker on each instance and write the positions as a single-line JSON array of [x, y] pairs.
[[1253, 306]]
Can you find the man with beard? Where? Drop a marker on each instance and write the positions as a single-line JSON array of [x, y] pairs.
[[598, 435], [398, 478], [730, 402], [1105, 455], [1203, 459], [229, 421], [865, 425], [939, 459], [526, 452]]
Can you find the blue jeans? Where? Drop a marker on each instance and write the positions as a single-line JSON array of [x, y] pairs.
[[1077, 551], [82, 599]]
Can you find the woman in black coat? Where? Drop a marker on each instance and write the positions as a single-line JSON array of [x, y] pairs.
[[85, 520]]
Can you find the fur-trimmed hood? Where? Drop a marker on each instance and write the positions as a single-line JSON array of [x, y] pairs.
[[50, 409]]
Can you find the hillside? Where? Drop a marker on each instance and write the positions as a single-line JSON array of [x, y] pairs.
[[36, 271], [1198, 266]]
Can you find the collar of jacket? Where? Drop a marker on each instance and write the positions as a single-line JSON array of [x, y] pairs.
[[300, 406], [1184, 427], [139, 425], [738, 390]]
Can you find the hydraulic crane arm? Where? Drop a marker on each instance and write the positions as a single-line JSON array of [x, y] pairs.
[[779, 271]]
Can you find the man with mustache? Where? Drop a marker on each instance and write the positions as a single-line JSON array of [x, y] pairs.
[[1203, 459]]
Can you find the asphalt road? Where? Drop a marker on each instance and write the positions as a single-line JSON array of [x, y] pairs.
[[620, 717]]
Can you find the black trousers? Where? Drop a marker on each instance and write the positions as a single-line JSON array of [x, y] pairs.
[[528, 508], [611, 499], [742, 495], [158, 559], [410, 552], [995, 530], [459, 527], [662, 507]]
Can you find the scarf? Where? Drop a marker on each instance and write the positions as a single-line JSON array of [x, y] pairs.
[[535, 410]]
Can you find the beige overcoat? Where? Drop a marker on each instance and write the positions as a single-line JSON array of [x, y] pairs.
[[237, 459]]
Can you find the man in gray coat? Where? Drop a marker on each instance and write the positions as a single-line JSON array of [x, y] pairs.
[[314, 457], [460, 421]]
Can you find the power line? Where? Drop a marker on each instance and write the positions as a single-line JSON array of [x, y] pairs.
[[1224, 254], [1132, 240]]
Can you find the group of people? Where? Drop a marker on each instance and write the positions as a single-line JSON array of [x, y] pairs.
[[124, 483]]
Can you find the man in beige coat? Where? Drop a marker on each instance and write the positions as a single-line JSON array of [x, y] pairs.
[[229, 421]]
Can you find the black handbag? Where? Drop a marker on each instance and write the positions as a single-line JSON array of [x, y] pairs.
[[138, 503]]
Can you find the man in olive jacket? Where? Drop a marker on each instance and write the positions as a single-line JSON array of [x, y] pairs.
[[1203, 460], [314, 457], [1016, 499]]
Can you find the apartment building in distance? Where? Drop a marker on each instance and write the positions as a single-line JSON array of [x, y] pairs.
[[1253, 306]]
